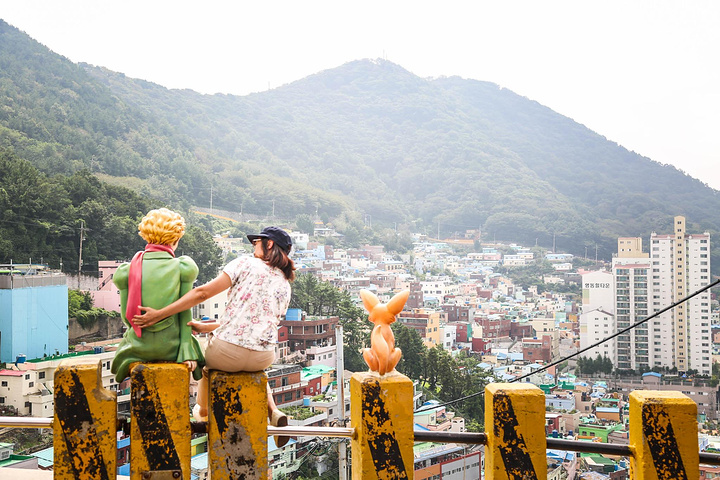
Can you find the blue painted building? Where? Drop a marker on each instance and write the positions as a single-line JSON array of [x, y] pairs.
[[33, 315]]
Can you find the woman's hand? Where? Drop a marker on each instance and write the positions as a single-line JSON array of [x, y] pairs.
[[149, 317], [203, 327]]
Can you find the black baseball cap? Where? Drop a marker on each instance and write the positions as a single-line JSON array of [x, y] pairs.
[[277, 235]]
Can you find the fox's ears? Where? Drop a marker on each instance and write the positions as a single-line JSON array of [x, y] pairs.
[[396, 304], [369, 299]]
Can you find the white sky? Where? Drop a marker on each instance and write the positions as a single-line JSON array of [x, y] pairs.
[[645, 74]]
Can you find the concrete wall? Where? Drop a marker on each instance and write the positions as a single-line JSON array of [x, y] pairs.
[[105, 327]]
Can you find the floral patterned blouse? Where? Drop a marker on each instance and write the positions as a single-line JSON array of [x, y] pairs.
[[258, 298]]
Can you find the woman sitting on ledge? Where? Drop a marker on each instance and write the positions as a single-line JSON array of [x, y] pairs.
[[244, 338]]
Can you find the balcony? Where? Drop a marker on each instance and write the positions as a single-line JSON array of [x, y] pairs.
[[286, 388]]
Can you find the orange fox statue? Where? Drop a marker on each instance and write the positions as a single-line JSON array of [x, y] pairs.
[[382, 356]]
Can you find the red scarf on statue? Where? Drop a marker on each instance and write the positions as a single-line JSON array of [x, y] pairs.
[[135, 283]]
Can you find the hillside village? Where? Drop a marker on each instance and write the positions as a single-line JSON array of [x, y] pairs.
[[459, 301]]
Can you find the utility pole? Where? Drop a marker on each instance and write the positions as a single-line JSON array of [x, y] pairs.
[[342, 447], [211, 194], [82, 231], [596, 250]]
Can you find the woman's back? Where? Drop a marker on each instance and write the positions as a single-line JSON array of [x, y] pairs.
[[258, 298]]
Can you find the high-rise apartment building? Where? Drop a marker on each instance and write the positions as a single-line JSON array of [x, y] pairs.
[[631, 290], [630, 270], [681, 266], [642, 284]]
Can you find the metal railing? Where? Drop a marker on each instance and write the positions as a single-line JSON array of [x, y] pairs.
[[468, 438]]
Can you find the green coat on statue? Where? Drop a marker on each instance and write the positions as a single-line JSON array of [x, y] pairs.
[[164, 280]]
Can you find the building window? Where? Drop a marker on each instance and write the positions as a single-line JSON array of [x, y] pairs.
[[31, 384], [4, 383], [27, 377]]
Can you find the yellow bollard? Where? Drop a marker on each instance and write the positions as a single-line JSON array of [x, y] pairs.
[[663, 436], [237, 429], [515, 424], [382, 416], [160, 421], [84, 427]]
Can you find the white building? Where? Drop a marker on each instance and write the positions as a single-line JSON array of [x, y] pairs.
[[643, 284], [681, 266], [634, 349], [449, 334], [211, 308], [514, 260], [28, 386], [300, 240]]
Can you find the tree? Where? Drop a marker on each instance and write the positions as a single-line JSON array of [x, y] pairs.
[[78, 300], [432, 369], [199, 245], [413, 349], [305, 224], [320, 298], [607, 366]]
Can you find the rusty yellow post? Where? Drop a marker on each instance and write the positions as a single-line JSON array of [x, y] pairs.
[[160, 421], [382, 416], [515, 426], [84, 427], [663, 436], [237, 429]]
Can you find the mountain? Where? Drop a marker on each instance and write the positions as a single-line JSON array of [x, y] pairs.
[[367, 138]]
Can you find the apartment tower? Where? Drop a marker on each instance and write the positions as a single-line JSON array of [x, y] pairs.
[[630, 268], [642, 284], [681, 266]]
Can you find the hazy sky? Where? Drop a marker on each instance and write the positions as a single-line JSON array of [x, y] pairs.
[[645, 74]]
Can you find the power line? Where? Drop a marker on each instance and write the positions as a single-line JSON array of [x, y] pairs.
[[583, 350]]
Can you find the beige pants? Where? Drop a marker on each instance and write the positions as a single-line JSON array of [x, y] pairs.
[[228, 357]]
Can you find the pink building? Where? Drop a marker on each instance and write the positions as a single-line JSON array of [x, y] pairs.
[[107, 295]]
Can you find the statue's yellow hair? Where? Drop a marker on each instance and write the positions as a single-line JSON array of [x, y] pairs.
[[162, 227]]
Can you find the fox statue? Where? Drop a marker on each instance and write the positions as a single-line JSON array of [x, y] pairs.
[[382, 356]]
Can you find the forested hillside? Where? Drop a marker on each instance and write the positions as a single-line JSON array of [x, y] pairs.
[[41, 218], [366, 138]]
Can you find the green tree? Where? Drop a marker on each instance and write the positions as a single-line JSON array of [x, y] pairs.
[[432, 368], [305, 223], [320, 298], [413, 349], [199, 245]]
